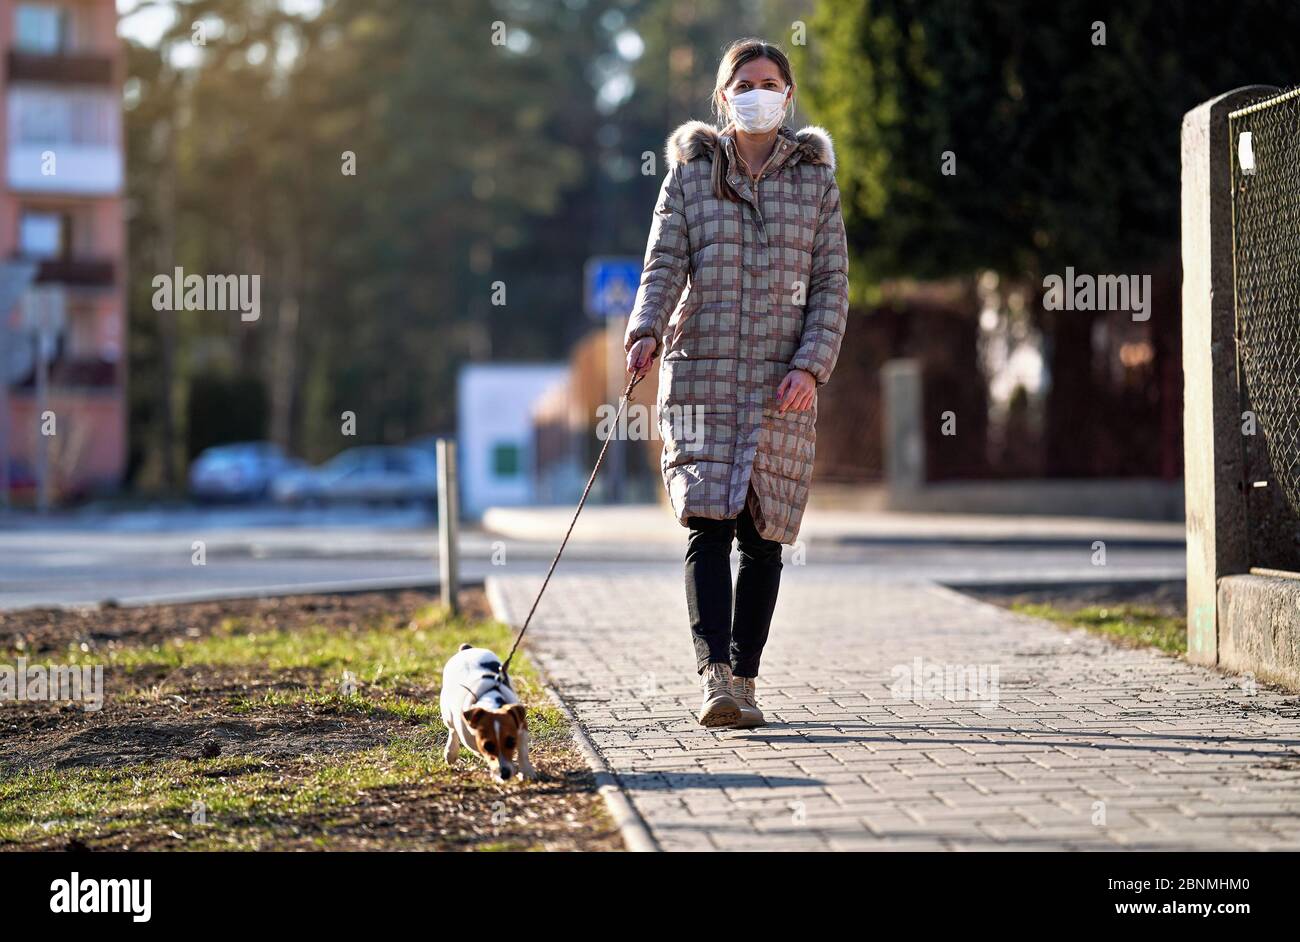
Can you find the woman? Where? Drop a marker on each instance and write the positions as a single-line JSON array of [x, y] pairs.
[[748, 224]]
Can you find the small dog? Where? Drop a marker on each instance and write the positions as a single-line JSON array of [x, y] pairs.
[[481, 712]]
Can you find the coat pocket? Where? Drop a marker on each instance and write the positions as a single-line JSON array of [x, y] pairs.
[[693, 436], [706, 382], [787, 445]]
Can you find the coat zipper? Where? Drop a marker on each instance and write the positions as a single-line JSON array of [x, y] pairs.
[[757, 180]]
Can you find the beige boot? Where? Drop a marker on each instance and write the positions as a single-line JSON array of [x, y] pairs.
[[720, 707], [745, 692]]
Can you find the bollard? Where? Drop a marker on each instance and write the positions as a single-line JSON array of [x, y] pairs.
[[448, 525]]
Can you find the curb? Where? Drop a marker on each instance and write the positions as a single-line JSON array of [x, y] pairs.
[[279, 590], [631, 826]]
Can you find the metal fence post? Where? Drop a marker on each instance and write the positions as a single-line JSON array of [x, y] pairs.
[[448, 525]]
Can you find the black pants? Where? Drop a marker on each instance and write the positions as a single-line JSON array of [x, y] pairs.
[[722, 636]]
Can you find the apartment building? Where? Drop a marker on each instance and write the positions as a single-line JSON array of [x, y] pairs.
[[62, 247]]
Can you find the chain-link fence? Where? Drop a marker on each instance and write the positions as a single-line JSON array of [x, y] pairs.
[[1265, 137]]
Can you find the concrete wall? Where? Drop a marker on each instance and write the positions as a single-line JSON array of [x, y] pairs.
[[1259, 627]]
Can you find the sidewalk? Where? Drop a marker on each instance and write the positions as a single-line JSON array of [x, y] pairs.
[[1088, 745]]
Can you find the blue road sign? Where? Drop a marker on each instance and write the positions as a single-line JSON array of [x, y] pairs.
[[610, 285]]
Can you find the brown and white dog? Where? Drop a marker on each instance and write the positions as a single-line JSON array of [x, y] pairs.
[[482, 713]]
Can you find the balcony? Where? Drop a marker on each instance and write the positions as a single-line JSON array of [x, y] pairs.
[[88, 375], [78, 272], [73, 68], [64, 140], [79, 169]]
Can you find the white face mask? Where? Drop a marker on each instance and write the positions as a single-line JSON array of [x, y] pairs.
[[758, 110]]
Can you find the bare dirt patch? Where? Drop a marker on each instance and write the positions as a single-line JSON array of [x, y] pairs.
[[224, 727], [42, 630]]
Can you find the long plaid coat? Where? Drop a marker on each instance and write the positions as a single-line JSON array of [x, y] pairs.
[[765, 290]]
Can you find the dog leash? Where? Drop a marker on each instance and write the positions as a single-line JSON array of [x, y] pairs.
[[627, 396]]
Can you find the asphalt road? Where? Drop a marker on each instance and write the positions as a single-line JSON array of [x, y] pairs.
[[150, 556]]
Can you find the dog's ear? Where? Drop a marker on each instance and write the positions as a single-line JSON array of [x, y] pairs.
[[472, 716], [520, 714]]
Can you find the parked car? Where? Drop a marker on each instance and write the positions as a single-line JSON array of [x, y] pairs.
[[372, 473], [426, 443], [22, 480], [240, 471]]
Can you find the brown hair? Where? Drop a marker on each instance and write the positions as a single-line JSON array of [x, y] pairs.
[[735, 56]]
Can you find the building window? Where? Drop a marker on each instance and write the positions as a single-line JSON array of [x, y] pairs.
[[505, 460], [43, 235], [78, 116], [40, 28]]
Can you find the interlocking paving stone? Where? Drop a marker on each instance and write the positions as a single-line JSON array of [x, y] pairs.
[[1177, 756]]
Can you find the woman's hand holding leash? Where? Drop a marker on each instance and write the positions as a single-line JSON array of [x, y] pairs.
[[640, 356]]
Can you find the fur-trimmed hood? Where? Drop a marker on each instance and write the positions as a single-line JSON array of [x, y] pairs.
[[697, 139]]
